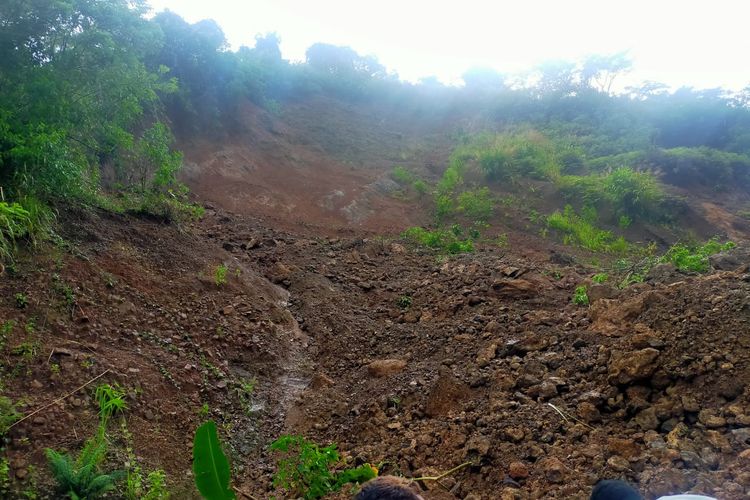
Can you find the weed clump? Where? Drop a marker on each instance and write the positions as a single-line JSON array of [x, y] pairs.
[[581, 296], [694, 258], [579, 231], [440, 239], [220, 275], [306, 469]]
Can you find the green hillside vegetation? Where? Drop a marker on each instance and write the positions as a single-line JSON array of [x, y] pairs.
[[91, 90]]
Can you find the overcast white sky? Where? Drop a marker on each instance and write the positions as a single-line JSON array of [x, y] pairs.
[[698, 43]]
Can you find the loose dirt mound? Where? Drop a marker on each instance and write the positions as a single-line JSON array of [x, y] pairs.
[[406, 360], [491, 363]]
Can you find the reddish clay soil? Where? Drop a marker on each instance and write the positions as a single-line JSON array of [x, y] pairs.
[[652, 382], [406, 359]]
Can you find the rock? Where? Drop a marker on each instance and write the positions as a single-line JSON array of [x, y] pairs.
[[394, 426], [718, 441], [385, 367], [530, 342], [518, 470], [365, 285], [546, 390], [647, 419], [35, 384], [227, 310], [628, 367], [479, 444], [618, 463], [425, 317], [588, 412], [446, 394], [724, 261], [517, 288], [623, 447], [412, 316], [554, 469], [514, 434], [321, 380], [710, 419], [526, 380], [612, 316], [665, 273], [601, 291], [486, 355]]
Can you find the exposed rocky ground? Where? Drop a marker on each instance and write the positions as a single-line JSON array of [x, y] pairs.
[[405, 359]]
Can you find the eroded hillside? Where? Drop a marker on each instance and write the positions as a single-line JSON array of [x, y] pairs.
[[487, 361]]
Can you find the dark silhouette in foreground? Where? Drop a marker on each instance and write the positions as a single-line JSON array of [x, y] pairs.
[[387, 488]]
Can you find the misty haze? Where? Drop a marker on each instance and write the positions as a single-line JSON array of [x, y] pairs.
[[351, 250]]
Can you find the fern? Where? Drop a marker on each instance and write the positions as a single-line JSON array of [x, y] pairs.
[[80, 478]]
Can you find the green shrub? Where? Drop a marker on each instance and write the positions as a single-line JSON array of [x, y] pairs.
[[578, 231], [80, 477], [600, 278], [402, 176], [684, 166], [15, 223], [476, 204], [21, 300], [695, 257], [439, 239], [220, 275], [404, 301], [508, 156], [580, 296], [306, 468], [111, 400], [8, 415], [628, 193], [420, 187]]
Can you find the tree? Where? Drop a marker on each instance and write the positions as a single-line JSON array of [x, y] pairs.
[[599, 72]]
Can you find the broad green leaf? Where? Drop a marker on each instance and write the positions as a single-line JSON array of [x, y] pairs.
[[210, 465]]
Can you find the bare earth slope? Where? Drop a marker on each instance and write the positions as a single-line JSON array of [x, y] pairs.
[[495, 365], [331, 327]]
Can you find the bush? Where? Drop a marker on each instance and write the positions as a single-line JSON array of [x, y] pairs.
[[702, 165], [80, 478], [508, 156], [15, 222], [402, 176], [695, 257], [306, 467], [476, 204], [439, 239], [577, 230], [581, 296], [628, 193], [600, 278]]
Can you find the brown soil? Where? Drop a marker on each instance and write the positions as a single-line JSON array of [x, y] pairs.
[[490, 363]]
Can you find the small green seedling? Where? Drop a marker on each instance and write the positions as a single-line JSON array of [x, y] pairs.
[[600, 278], [220, 275], [581, 297]]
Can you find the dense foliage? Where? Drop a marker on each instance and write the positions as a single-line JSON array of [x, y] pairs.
[[92, 90]]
